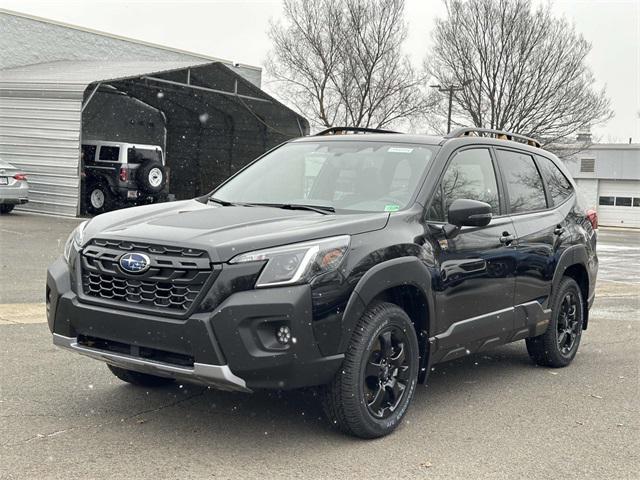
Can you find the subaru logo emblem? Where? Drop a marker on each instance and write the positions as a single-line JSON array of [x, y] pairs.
[[135, 262]]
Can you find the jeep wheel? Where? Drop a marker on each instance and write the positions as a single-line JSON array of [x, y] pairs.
[[371, 393], [138, 378], [6, 208], [558, 345], [99, 198], [151, 176]]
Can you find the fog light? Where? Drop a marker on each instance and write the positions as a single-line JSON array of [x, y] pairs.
[[283, 335]]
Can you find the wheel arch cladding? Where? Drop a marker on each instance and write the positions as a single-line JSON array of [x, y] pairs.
[[578, 272], [100, 179], [572, 264], [405, 282]]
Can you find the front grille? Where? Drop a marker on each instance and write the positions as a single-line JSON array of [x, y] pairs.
[[172, 283]]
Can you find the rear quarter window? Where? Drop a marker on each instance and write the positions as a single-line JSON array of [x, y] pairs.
[[140, 155], [558, 186]]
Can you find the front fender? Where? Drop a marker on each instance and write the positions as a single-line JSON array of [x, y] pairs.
[[384, 276]]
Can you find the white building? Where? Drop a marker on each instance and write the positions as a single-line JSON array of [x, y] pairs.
[[608, 179]]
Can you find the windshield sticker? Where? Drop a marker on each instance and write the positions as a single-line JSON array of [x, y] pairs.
[[391, 208], [400, 150]]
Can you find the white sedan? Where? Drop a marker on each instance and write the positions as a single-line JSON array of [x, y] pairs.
[[14, 189]]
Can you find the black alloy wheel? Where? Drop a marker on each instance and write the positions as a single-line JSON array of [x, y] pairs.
[[386, 375], [558, 345], [568, 324], [371, 393]]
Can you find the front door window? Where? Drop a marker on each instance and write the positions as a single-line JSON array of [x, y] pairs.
[[471, 175]]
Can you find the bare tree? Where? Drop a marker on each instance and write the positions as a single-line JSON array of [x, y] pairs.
[[521, 69], [341, 63]]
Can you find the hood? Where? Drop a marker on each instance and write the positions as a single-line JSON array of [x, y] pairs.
[[226, 231]]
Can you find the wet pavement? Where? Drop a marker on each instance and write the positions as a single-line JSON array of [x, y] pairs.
[[492, 415]]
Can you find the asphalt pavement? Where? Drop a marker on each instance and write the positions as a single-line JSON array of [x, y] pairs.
[[492, 415], [28, 245]]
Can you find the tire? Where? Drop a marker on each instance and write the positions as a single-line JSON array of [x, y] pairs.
[[6, 208], [558, 346], [352, 401], [138, 378], [151, 176], [99, 198]]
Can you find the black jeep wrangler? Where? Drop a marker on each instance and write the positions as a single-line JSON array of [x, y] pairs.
[[349, 262], [120, 174]]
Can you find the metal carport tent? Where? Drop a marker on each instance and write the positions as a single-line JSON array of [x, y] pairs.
[[216, 122]]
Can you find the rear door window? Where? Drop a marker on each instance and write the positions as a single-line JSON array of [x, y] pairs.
[[524, 184], [558, 186], [109, 154]]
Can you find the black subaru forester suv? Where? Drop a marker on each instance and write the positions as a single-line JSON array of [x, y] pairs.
[[348, 262]]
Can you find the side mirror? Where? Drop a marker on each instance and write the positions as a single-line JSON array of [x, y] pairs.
[[469, 213]]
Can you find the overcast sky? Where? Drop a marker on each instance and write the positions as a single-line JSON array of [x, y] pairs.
[[236, 30]]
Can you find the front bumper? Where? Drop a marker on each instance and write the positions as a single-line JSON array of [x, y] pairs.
[[231, 347], [219, 376]]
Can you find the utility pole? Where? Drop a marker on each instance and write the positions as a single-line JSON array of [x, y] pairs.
[[450, 89]]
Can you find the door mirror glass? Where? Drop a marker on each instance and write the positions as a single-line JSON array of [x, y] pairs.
[[464, 212]]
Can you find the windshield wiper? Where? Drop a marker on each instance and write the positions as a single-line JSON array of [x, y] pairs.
[[324, 209], [225, 203]]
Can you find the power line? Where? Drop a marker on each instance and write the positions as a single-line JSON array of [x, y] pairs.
[[450, 89]]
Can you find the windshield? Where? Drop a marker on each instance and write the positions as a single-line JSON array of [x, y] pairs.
[[345, 175]]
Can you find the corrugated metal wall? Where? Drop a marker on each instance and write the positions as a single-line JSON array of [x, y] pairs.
[[40, 129]]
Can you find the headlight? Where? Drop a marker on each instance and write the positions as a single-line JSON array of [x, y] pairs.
[[299, 262], [75, 240]]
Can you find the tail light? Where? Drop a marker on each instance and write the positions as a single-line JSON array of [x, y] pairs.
[[592, 216], [124, 174], [20, 176]]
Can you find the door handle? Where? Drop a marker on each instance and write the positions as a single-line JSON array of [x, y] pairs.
[[559, 230], [506, 238]]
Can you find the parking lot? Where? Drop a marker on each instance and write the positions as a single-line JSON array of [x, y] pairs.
[[494, 415]]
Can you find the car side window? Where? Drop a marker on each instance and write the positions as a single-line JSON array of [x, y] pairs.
[[557, 184], [524, 184], [470, 174], [109, 154]]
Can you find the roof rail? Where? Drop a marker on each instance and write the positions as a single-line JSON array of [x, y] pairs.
[[352, 130], [488, 132]]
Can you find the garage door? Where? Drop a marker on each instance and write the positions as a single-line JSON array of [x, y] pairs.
[[619, 203]]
